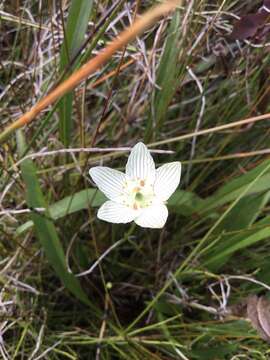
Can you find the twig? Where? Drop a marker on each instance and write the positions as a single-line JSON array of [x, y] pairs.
[[247, 278], [82, 150], [199, 120], [48, 350], [21, 211], [98, 261], [38, 342]]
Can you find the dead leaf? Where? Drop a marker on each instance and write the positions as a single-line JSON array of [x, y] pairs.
[[248, 25], [258, 312], [263, 309]]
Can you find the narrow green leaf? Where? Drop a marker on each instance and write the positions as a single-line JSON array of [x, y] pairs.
[[234, 188], [77, 22], [168, 70], [233, 244], [182, 202], [185, 203], [229, 244], [44, 227], [245, 213], [70, 204]]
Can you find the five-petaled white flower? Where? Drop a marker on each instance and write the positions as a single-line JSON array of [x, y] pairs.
[[141, 193]]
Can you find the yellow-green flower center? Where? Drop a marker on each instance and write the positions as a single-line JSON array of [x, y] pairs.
[[139, 197], [137, 194]]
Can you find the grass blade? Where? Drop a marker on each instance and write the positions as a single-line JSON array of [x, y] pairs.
[[245, 213], [234, 243], [167, 78], [44, 227], [76, 27], [69, 205], [182, 202], [233, 188]]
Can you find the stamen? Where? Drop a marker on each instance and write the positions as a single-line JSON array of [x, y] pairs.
[[135, 206], [142, 182]]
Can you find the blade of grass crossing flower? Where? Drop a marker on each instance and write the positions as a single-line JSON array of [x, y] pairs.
[[44, 227], [167, 78], [77, 22]]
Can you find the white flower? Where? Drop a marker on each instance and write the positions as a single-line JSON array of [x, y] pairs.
[[141, 193]]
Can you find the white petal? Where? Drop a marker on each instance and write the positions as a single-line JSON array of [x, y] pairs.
[[116, 213], [153, 217], [167, 180], [108, 180], [140, 164]]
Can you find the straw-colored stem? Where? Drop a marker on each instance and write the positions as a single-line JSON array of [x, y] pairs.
[[92, 65], [227, 126]]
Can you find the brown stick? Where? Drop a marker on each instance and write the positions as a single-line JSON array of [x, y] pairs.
[[145, 21]]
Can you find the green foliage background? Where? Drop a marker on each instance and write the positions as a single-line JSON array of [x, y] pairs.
[[157, 294]]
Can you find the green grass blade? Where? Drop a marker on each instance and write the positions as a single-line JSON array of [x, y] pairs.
[[69, 205], [233, 188], [233, 244], [167, 72], [185, 203], [230, 243], [75, 30], [245, 213], [44, 227], [182, 202]]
